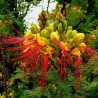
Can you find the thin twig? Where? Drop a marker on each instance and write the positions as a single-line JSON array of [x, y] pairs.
[[63, 8], [48, 5], [16, 30], [27, 9]]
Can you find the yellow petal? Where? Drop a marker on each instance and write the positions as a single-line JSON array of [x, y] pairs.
[[82, 45], [75, 52], [54, 36], [29, 34], [43, 41], [50, 50]]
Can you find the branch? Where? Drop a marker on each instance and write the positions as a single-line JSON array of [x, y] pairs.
[[90, 5], [16, 30], [26, 10], [63, 8], [48, 5], [4, 68], [65, 2], [81, 21]]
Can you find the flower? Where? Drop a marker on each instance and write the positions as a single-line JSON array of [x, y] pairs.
[[63, 47], [54, 36], [29, 35], [76, 52], [38, 51], [44, 70]]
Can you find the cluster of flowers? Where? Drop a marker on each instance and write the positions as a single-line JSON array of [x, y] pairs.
[[39, 49]]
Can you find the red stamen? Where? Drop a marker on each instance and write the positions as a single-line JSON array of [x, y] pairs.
[[78, 66], [28, 53], [40, 59], [43, 70], [62, 67], [60, 45], [9, 40], [70, 62], [17, 30], [34, 56], [64, 51], [22, 47]]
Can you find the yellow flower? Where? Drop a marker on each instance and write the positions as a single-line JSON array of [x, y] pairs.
[[54, 36], [43, 41], [82, 45], [45, 33], [50, 50], [78, 38], [93, 36], [29, 34], [75, 52], [34, 28]]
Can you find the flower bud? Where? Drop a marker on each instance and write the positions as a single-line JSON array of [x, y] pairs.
[[34, 29], [70, 40], [45, 33], [43, 41], [50, 28], [40, 23], [68, 33], [78, 38], [93, 37], [60, 28], [29, 35], [82, 45], [55, 24], [74, 32], [47, 23], [69, 28], [65, 25], [54, 36], [50, 50]]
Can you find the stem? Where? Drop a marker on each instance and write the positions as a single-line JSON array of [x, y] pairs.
[[56, 68], [12, 26], [82, 21], [26, 10], [48, 5], [4, 68], [63, 8], [90, 5]]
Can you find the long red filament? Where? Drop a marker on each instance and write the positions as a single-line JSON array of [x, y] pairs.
[[62, 67], [34, 55], [44, 70], [78, 66], [62, 62], [17, 30], [12, 40], [28, 53]]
